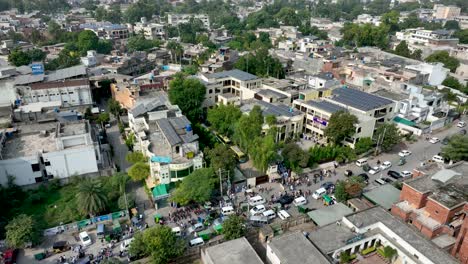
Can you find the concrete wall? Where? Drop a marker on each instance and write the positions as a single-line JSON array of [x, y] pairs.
[[413, 197], [440, 213], [21, 169], [271, 256]]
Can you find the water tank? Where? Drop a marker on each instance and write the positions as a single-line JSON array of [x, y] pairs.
[[188, 128]]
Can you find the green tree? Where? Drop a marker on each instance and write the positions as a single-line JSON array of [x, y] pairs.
[[387, 136], [340, 126], [340, 191], [264, 152], [391, 20], [363, 145], [103, 118], [221, 157], [140, 43], [452, 25], [190, 69], [344, 257], [139, 171], [37, 55], [18, 58], [87, 40], [462, 36], [452, 82], [159, 242], [90, 196], [114, 107], [175, 49], [248, 128], [260, 63], [457, 148], [188, 94], [389, 252], [234, 227], [135, 157], [21, 230], [196, 187], [126, 201], [294, 157], [449, 62], [403, 50], [104, 46], [224, 118]]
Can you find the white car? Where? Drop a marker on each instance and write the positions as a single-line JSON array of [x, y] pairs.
[[434, 140], [300, 201], [404, 153], [406, 174], [85, 239], [461, 124], [385, 165], [438, 158], [374, 170], [196, 228], [258, 209]]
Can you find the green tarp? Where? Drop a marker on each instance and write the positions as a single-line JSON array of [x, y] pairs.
[[404, 121], [160, 192], [327, 198]]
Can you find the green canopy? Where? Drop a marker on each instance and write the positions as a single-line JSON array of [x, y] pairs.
[[160, 192], [327, 198]]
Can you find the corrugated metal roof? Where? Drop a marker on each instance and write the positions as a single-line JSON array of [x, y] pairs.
[[358, 99], [169, 133], [27, 79], [66, 73], [326, 106]]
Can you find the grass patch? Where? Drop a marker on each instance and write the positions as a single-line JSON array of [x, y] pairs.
[[368, 250]]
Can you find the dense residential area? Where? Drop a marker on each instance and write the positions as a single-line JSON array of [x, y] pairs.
[[234, 132]]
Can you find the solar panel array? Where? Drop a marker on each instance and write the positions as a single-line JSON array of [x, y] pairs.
[[358, 99], [326, 106], [237, 74]]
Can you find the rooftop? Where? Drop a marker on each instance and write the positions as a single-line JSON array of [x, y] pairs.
[[358, 99], [385, 196], [67, 73], [391, 95], [296, 248], [325, 106], [271, 94], [329, 214], [237, 251], [236, 74], [270, 108], [63, 84]]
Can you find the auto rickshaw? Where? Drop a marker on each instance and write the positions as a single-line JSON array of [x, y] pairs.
[[60, 246], [41, 255]]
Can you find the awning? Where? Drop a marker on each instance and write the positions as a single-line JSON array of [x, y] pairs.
[[160, 192], [327, 198], [404, 121]]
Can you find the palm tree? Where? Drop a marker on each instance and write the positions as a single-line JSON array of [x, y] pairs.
[[91, 197]]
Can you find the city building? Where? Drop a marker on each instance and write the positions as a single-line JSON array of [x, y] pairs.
[[165, 136], [237, 251], [149, 30], [434, 202], [229, 87], [367, 19], [176, 19], [294, 248], [446, 12], [43, 151], [376, 227], [427, 40], [107, 30]]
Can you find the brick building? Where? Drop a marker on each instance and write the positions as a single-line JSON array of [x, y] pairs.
[[436, 204]]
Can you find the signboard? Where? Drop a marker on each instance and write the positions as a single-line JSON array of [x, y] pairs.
[[37, 68], [320, 121]]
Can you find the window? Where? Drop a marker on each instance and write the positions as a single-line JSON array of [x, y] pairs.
[[437, 212], [70, 92], [35, 167], [359, 130], [47, 163]]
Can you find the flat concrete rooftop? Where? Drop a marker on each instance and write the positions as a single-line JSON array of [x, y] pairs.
[[28, 145], [237, 251]]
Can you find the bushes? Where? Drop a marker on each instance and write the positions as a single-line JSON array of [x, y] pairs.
[[328, 153], [367, 251]]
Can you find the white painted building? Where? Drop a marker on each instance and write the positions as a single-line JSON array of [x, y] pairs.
[[149, 30], [446, 12], [176, 19], [69, 92], [435, 71], [40, 152]]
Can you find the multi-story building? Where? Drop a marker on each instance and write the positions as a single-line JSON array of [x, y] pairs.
[[462, 21], [43, 151], [427, 40], [376, 227], [176, 19], [69, 93], [229, 87], [368, 19], [371, 110], [446, 12], [289, 121], [165, 136], [149, 30], [107, 30]]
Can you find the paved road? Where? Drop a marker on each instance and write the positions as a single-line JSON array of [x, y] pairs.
[[120, 149]]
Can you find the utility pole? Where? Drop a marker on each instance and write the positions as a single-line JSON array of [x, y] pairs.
[[220, 182]]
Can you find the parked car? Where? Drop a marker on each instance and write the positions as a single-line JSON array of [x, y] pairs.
[[438, 158], [380, 181], [461, 124], [445, 141], [10, 256], [404, 153], [125, 244], [374, 170], [348, 173], [463, 132], [394, 174], [285, 199], [300, 201], [196, 228], [328, 185], [406, 174], [85, 239], [385, 165], [258, 209], [366, 167], [388, 180], [434, 140]]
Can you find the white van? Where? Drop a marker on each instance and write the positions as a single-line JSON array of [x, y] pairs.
[[257, 220], [256, 200], [228, 210], [361, 162], [85, 239], [283, 215], [319, 193], [177, 231], [126, 244], [270, 214], [197, 242], [299, 201]]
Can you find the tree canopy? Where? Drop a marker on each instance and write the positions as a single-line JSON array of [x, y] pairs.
[[223, 118], [18, 57], [159, 242], [294, 157], [340, 126], [188, 94], [91, 197], [135, 157], [387, 136], [248, 128], [139, 171], [221, 157], [262, 64], [234, 227], [449, 62], [20, 231], [457, 148], [361, 35], [140, 43], [196, 187]]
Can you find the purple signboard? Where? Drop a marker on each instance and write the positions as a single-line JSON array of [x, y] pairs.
[[320, 121]]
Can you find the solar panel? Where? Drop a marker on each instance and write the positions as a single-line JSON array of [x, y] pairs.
[[358, 99]]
